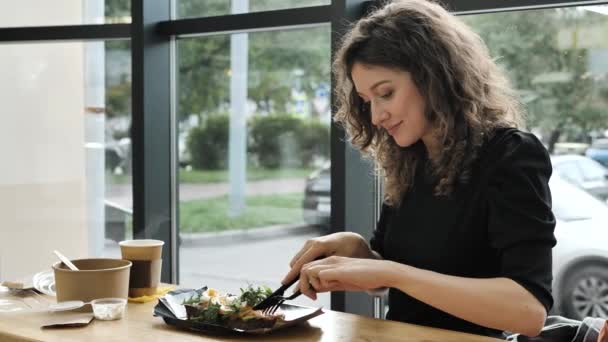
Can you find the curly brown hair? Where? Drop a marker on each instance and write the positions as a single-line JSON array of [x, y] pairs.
[[466, 94]]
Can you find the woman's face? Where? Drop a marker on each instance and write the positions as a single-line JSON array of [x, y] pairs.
[[395, 102]]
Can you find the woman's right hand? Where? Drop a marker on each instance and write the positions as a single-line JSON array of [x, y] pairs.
[[346, 244]]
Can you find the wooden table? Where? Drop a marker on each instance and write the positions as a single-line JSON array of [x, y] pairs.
[[140, 325]]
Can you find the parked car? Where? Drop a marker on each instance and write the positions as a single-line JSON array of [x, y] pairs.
[[117, 155], [570, 148], [599, 151], [316, 205], [583, 172], [580, 258]]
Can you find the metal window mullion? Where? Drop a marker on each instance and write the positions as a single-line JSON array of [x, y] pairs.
[[246, 21], [352, 195], [484, 6], [491, 6], [151, 131], [67, 32]]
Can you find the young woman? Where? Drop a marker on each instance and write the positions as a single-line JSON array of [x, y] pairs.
[[465, 236]]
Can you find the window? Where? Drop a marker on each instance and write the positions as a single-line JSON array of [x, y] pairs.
[[254, 120], [64, 12], [592, 170], [65, 144], [571, 172], [556, 59]]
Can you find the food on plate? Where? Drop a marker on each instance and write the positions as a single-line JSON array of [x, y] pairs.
[[232, 311]]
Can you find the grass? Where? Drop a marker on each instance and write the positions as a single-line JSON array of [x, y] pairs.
[[221, 176], [211, 215]]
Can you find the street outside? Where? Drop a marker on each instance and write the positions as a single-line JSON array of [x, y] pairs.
[[231, 265]]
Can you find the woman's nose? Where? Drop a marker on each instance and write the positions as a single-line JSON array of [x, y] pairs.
[[379, 115]]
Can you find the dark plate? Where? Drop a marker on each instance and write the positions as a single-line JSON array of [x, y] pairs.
[[169, 307]]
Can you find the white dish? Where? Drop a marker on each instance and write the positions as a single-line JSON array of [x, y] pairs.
[[45, 282]]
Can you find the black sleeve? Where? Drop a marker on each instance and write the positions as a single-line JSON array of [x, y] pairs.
[[377, 240], [520, 221]]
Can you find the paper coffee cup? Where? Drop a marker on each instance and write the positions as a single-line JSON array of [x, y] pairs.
[[146, 256]]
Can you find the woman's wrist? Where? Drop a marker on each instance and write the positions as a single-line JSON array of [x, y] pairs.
[[364, 250], [395, 274]]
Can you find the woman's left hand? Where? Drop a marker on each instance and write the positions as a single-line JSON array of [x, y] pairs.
[[343, 274]]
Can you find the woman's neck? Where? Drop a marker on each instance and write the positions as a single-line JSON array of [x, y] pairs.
[[431, 144]]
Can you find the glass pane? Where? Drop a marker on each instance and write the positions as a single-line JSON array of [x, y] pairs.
[[209, 8], [592, 170], [63, 12], [558, 61], [254, 120], [65, 144]]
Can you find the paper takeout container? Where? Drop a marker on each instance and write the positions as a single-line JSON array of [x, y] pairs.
[[96, 278]]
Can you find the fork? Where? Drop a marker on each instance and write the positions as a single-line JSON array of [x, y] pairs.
[[277, 302], [277, 296], [270, 300]]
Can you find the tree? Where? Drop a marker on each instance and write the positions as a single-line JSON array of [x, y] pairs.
[[204, 62], [541, 53]]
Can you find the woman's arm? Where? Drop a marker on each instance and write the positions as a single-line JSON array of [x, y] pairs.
[[498, 303]]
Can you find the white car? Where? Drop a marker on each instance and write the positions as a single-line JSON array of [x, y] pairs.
[[580, 258], [583, 172]]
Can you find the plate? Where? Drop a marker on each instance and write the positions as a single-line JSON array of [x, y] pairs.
[[12, 305], [170, 309], [22, 301], [44, 282]]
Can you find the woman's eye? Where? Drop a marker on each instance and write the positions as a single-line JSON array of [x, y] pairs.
[[387, 95]]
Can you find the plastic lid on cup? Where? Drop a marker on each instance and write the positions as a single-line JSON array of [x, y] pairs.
[[141, 243]]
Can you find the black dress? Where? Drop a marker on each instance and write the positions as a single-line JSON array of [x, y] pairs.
[[500, 224]]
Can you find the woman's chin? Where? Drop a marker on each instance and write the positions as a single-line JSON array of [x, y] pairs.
[[404, 141]]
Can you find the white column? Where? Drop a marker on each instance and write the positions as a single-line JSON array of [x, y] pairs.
[[237, 161], [94, 133]]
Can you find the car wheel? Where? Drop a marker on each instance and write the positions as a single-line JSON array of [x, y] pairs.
[[585, 292]]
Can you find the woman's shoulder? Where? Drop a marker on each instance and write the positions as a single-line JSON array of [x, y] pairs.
[[505, 143], [510, 151]]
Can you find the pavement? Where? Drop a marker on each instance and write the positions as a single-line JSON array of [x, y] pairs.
[[252, 234], [121, 194]]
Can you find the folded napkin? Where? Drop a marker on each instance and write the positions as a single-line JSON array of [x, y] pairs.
[[17, 284], [67, 320], [161, 291], [561, 329]]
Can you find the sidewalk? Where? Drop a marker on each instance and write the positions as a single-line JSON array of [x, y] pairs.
[[122, 193], [241, 235]]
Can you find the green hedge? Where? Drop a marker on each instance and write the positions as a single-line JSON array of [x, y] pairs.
[[313, 138], [274, 141], [208, 143]]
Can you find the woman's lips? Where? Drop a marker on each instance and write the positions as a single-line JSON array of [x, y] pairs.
[[394, 128]]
